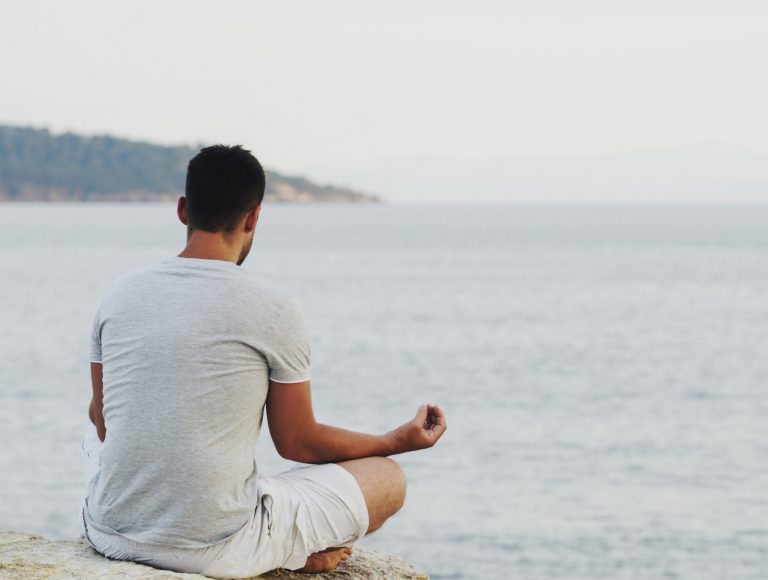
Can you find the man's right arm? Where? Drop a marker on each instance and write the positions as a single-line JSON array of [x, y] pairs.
[[299, 437]]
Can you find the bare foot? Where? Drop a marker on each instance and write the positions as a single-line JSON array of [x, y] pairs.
[[325, 561]]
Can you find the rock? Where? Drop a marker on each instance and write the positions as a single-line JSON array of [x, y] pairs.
[[29, 557]]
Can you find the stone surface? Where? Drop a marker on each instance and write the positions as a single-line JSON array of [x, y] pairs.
[[29, 557]]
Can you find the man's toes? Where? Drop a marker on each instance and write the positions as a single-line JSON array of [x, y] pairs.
[[325, 560]]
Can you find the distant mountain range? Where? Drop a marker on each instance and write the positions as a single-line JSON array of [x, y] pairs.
[[37, 165]]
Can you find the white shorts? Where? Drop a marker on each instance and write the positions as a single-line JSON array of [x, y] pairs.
[[301, 511]]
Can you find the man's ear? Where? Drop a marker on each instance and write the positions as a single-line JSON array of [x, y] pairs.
[[251, 218], [181, 210]]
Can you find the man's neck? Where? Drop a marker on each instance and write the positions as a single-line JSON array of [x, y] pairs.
[[211, 246]]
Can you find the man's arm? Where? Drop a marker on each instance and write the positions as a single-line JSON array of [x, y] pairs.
[[95, 411], [299, 437]]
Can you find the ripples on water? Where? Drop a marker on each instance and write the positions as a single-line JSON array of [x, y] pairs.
[[604, 372]]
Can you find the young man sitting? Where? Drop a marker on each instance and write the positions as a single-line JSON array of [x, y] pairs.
[[186, 355]]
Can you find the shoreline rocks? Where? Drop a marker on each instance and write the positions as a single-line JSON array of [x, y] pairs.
[[30, 557]]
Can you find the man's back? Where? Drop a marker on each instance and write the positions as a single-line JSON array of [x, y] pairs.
[[188, 347]]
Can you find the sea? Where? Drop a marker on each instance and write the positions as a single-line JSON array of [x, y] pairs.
[[603, 370]]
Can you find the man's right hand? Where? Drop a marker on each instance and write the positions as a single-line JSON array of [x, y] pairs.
[[422, 431]]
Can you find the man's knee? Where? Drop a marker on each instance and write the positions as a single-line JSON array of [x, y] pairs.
[[383, 484], [391, 492], [396, 476]]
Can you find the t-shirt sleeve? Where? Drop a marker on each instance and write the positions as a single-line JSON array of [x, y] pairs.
[[96, 340], [288, 350]]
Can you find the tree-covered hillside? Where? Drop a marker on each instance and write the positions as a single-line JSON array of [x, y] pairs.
[[38, 165]]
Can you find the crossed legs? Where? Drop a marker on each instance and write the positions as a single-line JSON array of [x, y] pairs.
[[383, 485]]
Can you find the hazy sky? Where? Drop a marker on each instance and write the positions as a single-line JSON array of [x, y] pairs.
[[398, 96]]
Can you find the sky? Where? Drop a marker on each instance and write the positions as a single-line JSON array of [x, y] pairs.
[[420, 100]]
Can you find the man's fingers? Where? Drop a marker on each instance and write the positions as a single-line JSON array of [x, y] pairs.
[[438, 428], [431, 424], [434, 433], [436, 416], [439, 416], [422, 415]]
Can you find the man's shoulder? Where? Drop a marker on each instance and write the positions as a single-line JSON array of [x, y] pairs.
[[128, 278], [241, 284], [266, 290]]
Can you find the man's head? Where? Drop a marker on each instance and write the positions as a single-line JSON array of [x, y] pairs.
[[225, 184]]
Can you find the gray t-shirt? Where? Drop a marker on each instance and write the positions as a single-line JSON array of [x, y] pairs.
[[188, 347]]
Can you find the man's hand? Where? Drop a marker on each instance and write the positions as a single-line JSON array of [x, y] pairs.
[[422, 431]]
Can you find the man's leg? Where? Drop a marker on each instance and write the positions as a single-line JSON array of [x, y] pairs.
[[383, 485]]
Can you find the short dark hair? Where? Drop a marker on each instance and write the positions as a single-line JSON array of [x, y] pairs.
[[223, 184]]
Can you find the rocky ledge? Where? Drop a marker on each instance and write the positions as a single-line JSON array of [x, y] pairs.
[[32, 557]]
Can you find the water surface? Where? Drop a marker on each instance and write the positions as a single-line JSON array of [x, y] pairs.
[[604, 371]]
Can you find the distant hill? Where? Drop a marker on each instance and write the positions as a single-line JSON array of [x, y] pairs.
[[36, 165]]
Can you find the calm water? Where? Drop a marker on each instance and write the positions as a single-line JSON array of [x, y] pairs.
[[604, 372]]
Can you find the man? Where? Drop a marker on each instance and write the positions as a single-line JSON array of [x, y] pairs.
[[187, 353]]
